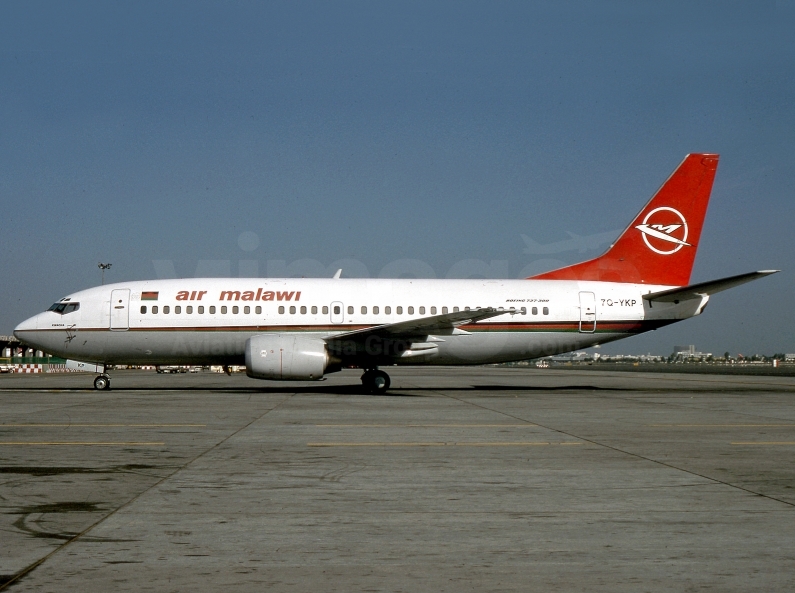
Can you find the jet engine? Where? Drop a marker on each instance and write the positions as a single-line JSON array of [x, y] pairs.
[[286, 357]]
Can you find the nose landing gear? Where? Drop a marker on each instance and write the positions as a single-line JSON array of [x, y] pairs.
[[102, 383], [375, 381]]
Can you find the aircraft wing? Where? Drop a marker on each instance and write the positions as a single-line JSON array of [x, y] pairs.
[[697, 291], [414, 328]]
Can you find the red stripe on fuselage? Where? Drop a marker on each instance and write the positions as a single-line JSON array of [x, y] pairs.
[[562, 326]]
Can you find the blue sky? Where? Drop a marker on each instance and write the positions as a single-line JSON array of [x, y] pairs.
[[387, 134]]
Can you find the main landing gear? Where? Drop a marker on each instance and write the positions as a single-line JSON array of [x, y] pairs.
[[102, 382], [375, 381]]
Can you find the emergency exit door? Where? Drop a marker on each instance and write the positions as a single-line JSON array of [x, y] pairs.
[[337, 312], [587, 312], [120, 309]]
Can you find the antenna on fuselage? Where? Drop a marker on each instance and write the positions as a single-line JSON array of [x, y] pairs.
[[337, 274]]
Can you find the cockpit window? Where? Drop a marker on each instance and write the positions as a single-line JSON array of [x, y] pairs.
[[64, 308]]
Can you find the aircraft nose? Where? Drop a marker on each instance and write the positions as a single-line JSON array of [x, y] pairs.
[[27, 325]]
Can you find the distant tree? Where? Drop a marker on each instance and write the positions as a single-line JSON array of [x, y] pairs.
[[726, 356]]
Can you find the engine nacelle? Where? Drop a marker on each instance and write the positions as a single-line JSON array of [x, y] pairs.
[[286, 357]]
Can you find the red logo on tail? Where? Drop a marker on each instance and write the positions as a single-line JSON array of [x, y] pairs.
[[671, 220], [664, 230]]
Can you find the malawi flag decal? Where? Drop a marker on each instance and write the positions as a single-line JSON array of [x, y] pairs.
[[149, 296]]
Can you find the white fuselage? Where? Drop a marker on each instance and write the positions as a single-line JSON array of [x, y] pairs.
[[207, 321]]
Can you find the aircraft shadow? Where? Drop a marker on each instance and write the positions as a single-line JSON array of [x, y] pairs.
[[421, 391], [320, 389]]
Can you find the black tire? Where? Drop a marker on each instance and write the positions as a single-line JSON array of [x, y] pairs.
[[102, 383], [379, 383]]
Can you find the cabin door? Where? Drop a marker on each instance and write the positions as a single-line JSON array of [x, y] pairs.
[[587, 312], [120, 309]]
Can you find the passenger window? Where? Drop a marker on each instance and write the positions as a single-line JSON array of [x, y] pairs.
[[535, 310], [387, 310], [235, 310], [422, 310], [314, 310], [303, 310], [212, 309], [364, 310], [444, 310], [201, 309], [247, 310], [292, 309], [177, 310], [258, 310], [466, 308], [143, 309], [337, 310], [399, 310], [524, 310], [281, 310], [455, 309], [189, 310], [223, 310], [154, 309], [166, 309], [376, 310], [546, 310], [325, 310], [411, 310], [433, 311], [350, 310]]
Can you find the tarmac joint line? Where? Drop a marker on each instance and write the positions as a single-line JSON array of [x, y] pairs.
[[78, 444], [439, 444], [772, 443], [9, 580]]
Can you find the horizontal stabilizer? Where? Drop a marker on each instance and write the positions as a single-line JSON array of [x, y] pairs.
[[697, 291]]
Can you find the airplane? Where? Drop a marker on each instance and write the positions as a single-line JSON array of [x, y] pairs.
[[305, 328], [576, 243]]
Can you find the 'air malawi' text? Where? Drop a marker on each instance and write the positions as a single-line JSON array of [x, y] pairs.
[[237, 295]]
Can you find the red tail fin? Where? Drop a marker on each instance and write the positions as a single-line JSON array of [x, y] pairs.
[[659, 247]]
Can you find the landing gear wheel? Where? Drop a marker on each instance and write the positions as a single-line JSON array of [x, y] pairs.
[[376, 382], [102, 382]]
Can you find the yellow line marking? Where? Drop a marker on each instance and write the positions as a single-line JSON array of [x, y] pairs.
[[765, 443], [425, 425], [105, 425], [80, 444], [435, 444], [723, 425]]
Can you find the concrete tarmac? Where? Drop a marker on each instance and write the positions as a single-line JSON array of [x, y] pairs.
[[470, 479]]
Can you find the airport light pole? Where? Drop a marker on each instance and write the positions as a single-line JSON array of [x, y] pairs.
[[103, 267]]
